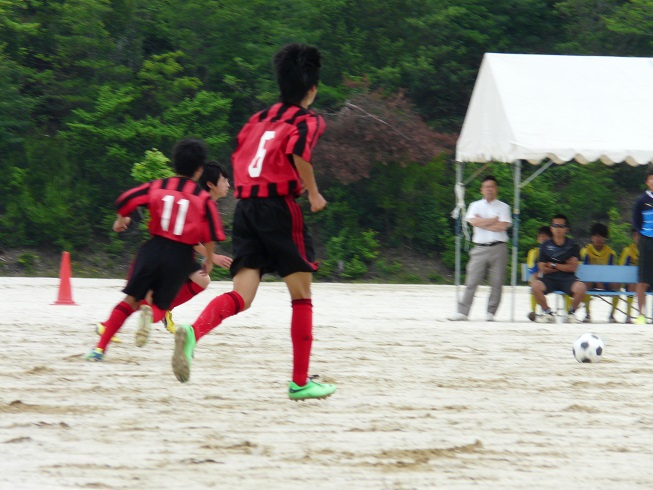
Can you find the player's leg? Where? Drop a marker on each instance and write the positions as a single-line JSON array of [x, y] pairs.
[[246, 282], [301, 334], [568, 302], [587, 300], [168, 266], [629, 303], [615, 303], [641, 288], [197, 282], [117, 318], [539, 290], [291, 248], [301, 325], [578, 290]]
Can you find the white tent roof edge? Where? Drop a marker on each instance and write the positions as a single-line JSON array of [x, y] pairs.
[[561, 108]]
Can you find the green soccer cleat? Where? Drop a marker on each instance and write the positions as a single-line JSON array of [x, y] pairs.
[[183, 354], [99, 329], [310, 390], [96, 355], [640, 320], [144, 326], [168, 322]]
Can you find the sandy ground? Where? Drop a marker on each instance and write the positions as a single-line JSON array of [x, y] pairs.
[[421, 403]]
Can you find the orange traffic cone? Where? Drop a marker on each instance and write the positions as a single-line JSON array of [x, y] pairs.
[[65, 293]]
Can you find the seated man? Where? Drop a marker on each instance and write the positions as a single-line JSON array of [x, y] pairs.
[[559, 259], [532, 258], [598, 253]]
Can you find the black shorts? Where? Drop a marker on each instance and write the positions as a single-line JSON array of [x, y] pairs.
[[270, 234], [162, 266], [562, 283], [645, 264]]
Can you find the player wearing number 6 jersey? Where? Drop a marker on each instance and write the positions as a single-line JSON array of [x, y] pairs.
[[271, 167], [182, 215]]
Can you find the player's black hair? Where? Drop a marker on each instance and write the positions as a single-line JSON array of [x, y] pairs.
[[188, 155], [212, 172], [490, 177], [561, 216], [649, 170], [544, 230], [297, 68], [599, 229]]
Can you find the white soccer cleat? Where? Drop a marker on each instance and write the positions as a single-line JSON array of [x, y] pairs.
[[144, 326]]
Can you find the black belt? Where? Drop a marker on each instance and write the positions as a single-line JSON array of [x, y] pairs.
[[491, 244]]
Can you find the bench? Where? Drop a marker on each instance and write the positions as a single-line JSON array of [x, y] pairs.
[[605, 274]]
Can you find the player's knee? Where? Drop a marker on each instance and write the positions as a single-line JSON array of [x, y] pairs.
[[202, 281]]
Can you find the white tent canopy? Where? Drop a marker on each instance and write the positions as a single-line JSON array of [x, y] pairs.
[[583, 108], [557, 108]]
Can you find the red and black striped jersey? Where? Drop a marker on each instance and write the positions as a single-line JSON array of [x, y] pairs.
[[180, 210], [262, 163]]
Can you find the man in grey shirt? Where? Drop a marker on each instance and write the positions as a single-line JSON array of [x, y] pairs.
[[490, 219]]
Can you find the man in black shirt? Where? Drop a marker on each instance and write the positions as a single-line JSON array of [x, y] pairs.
[[558, 261]]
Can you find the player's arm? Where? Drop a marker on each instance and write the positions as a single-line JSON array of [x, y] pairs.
[[570, 265], [219, 260], [305, 170], [121, 223], [544, 263], [207, 263]]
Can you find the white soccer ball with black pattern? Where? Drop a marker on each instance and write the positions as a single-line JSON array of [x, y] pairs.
[[588, 348]]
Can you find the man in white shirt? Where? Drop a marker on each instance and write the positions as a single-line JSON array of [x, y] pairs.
[[490, 219]]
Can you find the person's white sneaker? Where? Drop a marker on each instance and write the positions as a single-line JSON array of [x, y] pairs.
[[572, 318], [546, 318], [457, 317], [489, 317]]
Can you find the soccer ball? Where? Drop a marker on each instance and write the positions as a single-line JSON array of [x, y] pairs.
[[588, 348]]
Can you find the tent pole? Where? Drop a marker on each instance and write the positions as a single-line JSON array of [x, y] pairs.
[[459, 179], [515, 236]]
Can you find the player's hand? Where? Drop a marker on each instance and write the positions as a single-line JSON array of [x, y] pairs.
[[207, 267], [222, 261], [318, 203], [121, 224]]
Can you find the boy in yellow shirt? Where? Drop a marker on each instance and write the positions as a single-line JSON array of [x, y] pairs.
[[543, 234], [598, 253]]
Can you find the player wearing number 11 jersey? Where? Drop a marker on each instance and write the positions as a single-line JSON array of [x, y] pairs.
[[271, 167], [182, 214]]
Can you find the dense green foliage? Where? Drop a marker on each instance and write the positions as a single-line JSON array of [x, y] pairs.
[[89, 88]]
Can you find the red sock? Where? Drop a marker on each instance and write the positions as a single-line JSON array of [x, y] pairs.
[[301, 333], [157, 314], [221, 307], [187, 291], [116, 320]]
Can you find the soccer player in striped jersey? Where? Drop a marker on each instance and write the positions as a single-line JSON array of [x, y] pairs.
[[215, 180], [272, 167], [597, 252], [182, 215]]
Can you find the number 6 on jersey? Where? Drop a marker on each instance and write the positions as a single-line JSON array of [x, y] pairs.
[[256, 165]]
